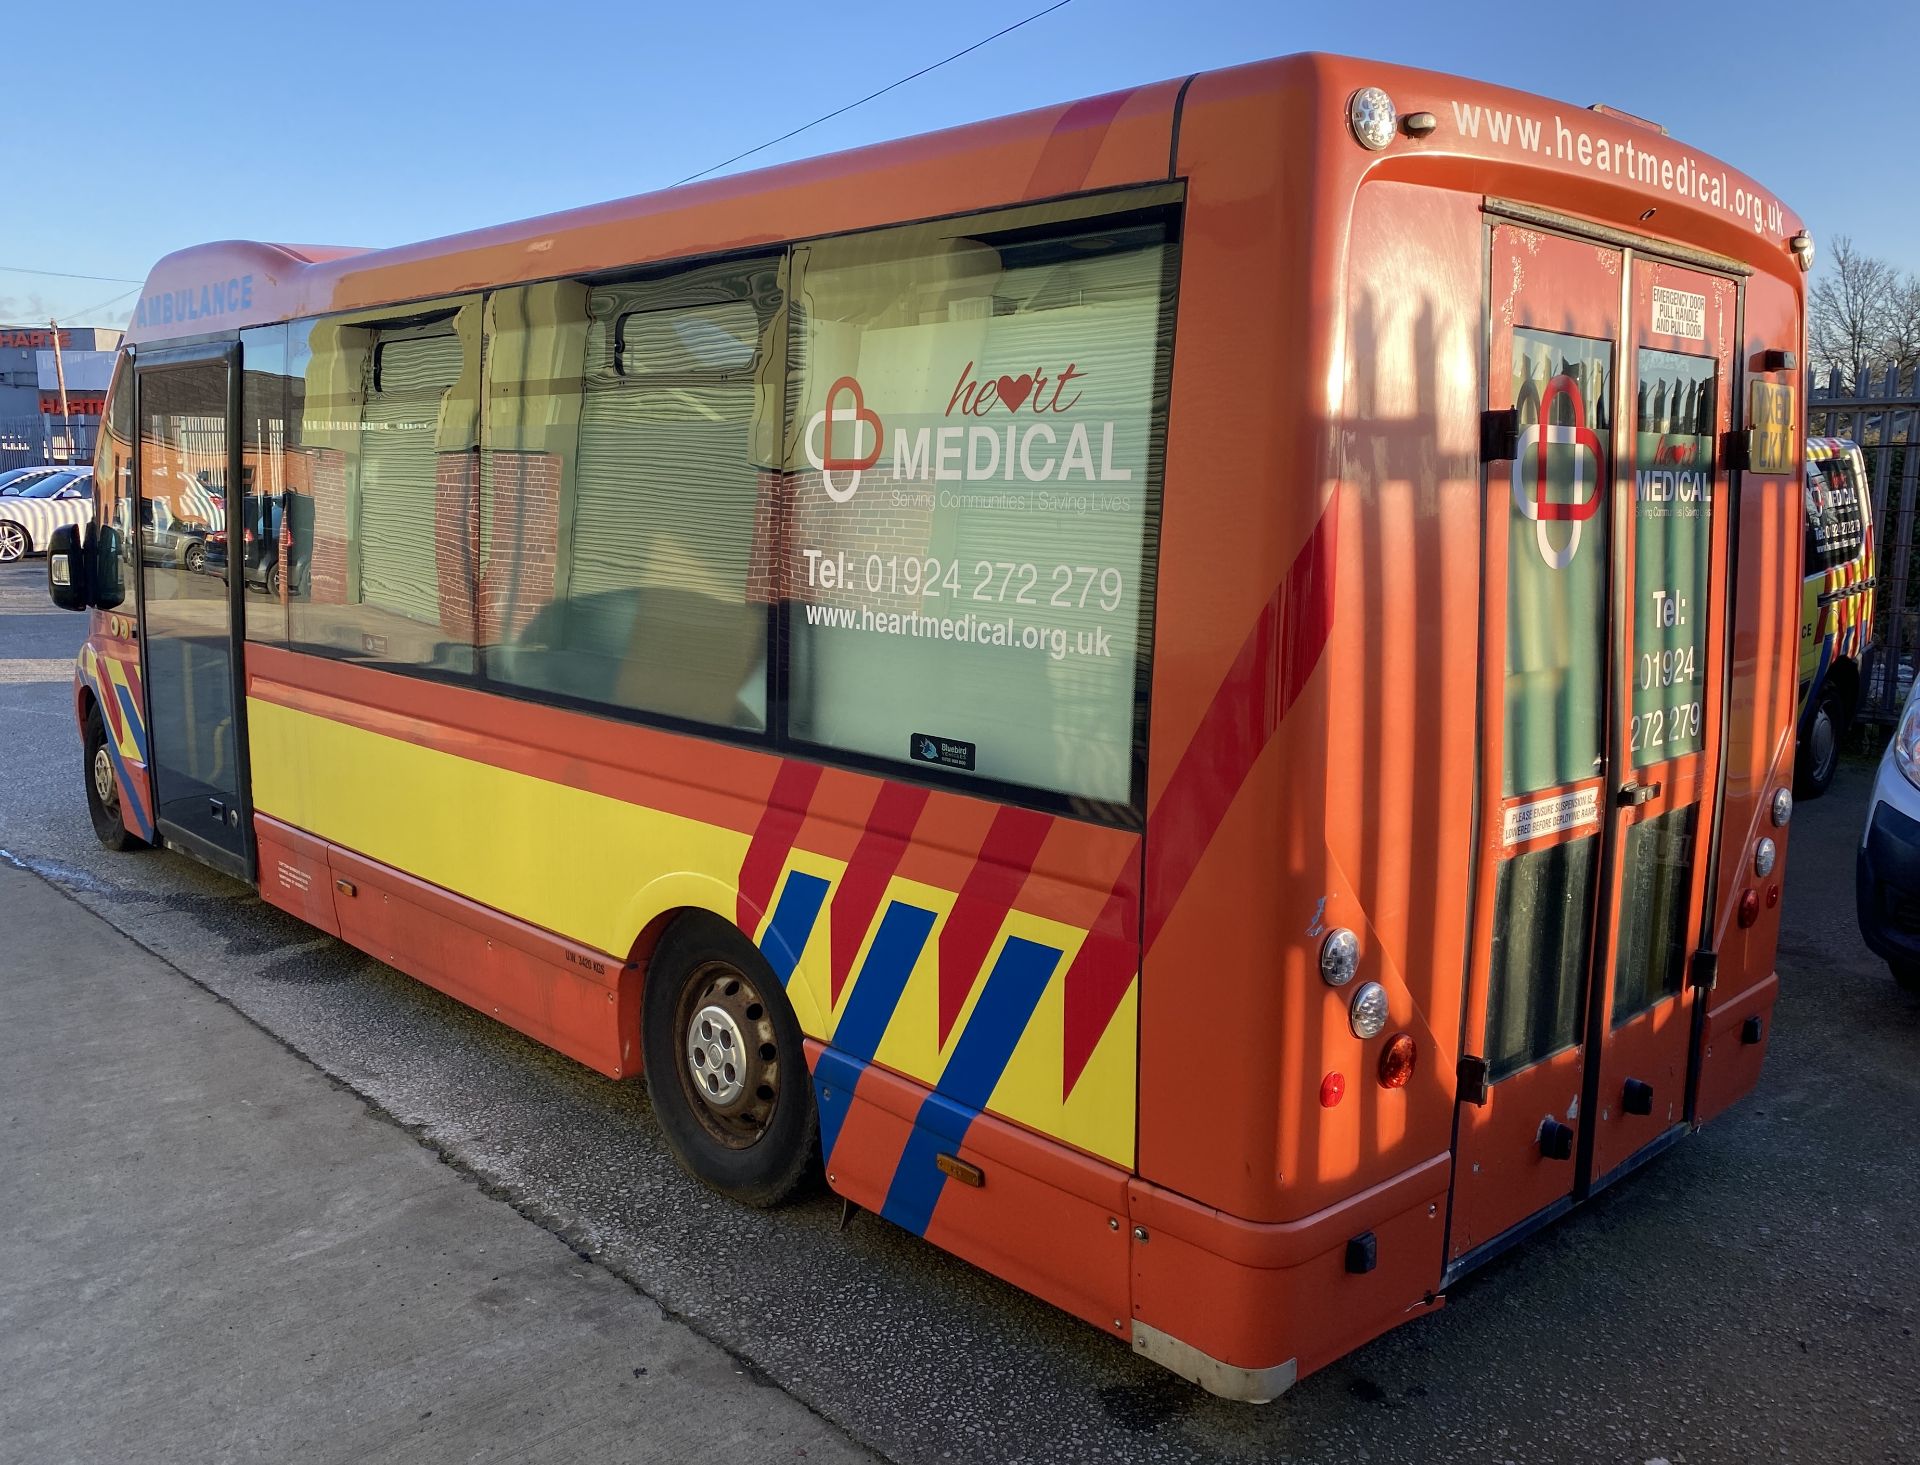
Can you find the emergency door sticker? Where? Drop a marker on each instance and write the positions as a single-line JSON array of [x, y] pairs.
[[1552, 815], [1679, 313], [1771, 421]]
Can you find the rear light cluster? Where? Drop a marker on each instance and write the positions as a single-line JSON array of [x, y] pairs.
[[1367, 1014]]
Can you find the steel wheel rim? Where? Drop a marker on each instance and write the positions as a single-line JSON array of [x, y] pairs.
[[103, 784], [722, 1016]]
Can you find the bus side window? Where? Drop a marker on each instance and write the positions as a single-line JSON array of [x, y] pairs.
[[624, 460], [379, 446]]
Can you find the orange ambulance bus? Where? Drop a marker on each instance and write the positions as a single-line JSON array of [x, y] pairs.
[[1191, 694]]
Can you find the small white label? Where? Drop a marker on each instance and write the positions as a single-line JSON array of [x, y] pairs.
[[292, 878], [1678, 313], [1551, 815]]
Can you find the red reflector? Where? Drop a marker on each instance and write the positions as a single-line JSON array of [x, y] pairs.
[[1773, 896], [1333, 1088], [1749, 907], [1396, 1061]]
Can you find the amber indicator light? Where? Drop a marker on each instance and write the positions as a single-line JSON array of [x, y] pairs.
[[1396, 1061]]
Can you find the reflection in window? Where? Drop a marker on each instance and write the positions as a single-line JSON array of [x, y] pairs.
[[974, 440], [1537, 979], [1836, 528], [621, 488], [369, 538]]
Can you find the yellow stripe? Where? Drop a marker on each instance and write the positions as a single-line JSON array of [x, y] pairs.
[[579, 864]]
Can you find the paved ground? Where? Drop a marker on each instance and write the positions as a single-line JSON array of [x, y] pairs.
[[212, 1252], [1754, 1294]]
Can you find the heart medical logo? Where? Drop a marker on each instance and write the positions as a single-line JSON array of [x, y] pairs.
[[865, 422], [1579, 494]]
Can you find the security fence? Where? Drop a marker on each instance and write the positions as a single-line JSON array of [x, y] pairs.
[[1881, 412], [27, 441]]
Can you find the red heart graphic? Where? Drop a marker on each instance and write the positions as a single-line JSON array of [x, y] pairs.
[[860, 415], [1014, 389]]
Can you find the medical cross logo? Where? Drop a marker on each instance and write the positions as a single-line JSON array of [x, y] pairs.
[[1570, 495]]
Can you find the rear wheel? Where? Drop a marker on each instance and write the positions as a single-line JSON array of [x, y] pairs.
[[273, 581], [103, 789], [13, 542], [1819, 756], [195, 557], [725, 1064]]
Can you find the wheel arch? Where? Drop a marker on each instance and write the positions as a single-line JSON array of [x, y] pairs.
[[667, 898]]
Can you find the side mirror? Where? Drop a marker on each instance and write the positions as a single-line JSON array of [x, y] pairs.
[[105, 554], [69, 578]]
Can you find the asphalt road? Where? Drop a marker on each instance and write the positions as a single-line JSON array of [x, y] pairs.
[[1752, 1295]]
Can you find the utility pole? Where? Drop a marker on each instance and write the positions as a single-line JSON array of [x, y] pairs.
[[60, 378]]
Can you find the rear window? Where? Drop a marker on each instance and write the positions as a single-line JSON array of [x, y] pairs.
[[1836, 526]]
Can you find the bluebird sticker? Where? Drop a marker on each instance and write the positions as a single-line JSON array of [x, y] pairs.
[[947, 752]]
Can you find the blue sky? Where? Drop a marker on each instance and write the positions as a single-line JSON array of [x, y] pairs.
[[346, 122]]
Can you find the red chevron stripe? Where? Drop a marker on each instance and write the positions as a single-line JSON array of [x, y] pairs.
[[1259, 689], [773, 837], [889, 827], [1006, 859]]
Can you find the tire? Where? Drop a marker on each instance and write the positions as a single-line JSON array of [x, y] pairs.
[[194, 558], [103, 791], [273, 582], [1818, 758], [747, 1129], [1906, 974], [14, 544]]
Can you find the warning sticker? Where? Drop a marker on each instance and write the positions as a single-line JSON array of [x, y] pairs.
[[1551, 815], [1679, 313]]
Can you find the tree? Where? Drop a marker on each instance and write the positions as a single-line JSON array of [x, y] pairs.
[[1857, 315]]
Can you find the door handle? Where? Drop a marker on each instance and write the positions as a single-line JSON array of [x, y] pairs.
[[1636, 1097], [1633, 793]]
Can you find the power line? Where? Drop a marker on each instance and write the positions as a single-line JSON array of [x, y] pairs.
[[871, 95], [74, 315], [63, 275]]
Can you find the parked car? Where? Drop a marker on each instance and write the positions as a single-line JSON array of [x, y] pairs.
[[27, 520], [165, 540], [19, 480], [1836, 607], [274, 543], [1887, 868]]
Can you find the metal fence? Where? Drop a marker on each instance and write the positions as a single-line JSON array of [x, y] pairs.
[[28, 441], [1881, 412]]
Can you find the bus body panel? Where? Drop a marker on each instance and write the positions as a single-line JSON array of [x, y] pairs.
[[1141, 1137]]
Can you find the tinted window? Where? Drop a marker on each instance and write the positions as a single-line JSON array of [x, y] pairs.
[[631, 431], [377, 455]]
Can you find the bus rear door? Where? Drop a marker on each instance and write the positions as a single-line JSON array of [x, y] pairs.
[[1604, 576]]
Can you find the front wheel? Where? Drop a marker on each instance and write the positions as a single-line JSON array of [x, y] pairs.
[[273, 582], [103, 789], [725, 1065], [1819, 757], [13, 542], [195, 558]]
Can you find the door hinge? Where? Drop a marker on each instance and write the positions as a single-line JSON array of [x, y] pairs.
[[1736, 451], [1705, 970], [1499, 434], [1471, 1077]]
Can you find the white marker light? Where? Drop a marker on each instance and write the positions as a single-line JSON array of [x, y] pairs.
[[1782, 807], [1340, 957], [1371, 115], [1368, 1015], [1763, 857]]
